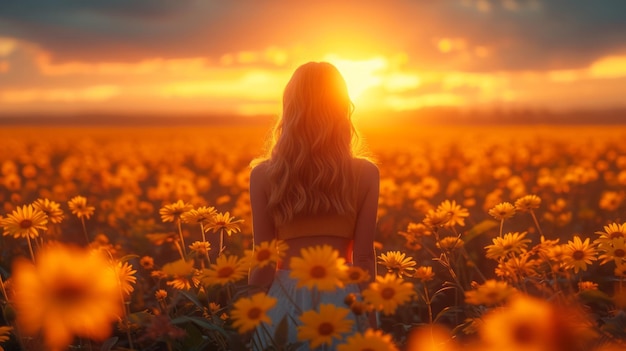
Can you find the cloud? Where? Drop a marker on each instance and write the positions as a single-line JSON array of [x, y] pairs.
[[474, 34]]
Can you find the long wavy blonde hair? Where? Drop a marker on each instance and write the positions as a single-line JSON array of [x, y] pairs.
[[310, 158]]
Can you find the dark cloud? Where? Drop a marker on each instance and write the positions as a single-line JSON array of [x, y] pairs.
[[531, 35]]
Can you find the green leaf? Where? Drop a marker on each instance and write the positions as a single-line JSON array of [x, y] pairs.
[[201, 322], [191, 298], [128, 258], [280, 334], [480, 228]]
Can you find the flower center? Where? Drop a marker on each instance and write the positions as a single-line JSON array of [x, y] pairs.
[[354, 275], [318, 272], [225, 272], [614, 235], [325, 329], [523, 334], [578, 255], [68, 291], [387, 293], [263, 255], [620, 253], [26, 223], [254, 313]]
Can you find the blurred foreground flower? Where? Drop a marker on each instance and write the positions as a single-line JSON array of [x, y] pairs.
[[322, 327], [265, 253], [69, 292], [248, 313], [373, 340]]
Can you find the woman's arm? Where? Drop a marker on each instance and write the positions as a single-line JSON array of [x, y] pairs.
[[263, 229], [363, 254]]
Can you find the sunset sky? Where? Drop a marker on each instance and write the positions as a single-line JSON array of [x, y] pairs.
[[210, 56]]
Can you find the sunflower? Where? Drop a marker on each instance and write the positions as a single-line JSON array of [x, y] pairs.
[[424, 274], [174, 211], [611, 231], [456, 212], [160, 295], [147, 262], [356, 275], [371, 340], [388, 292], [202, 215], [125, 274], [491, 293], [248, 313], [436, 219], [503, 210], [265, 253], [527, 203], [518, 267], [614, 250], [587, 285], [78, 206], [397, 262], [223, 221], [24, 222], [181, 273], [201, 248], [226, 269], [318, 266], [321, 328], [509, 244], [525, 324], [450, 243], [50, 208], [68, 292], [578, 254]]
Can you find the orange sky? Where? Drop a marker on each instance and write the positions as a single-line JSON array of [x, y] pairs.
[[235, 57]]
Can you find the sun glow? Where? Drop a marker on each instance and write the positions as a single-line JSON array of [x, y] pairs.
[[360, 75]]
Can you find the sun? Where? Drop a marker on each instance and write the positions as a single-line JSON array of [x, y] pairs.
[[360, 75]]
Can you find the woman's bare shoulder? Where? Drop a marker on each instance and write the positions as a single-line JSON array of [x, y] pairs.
[[259, 172], [367, 169]]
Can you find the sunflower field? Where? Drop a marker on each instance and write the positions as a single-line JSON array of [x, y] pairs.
[[139, 238]]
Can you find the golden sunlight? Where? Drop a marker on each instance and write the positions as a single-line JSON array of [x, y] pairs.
[[360, 75]]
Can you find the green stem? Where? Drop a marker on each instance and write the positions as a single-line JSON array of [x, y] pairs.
[[532, 213], [428, 304], [82, 220], [30, 248], [182, 239]]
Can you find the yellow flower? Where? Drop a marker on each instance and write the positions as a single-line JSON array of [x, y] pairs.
[[525, 324], [424, 273], [147, 262], [50, 208], [355, 275], [586, 285], [201, 248], [396, 262], [202, 215], [321, 328], [68, 292], [456, 213], [223, 221], [371, 340], [174, 211], [24, 222], [578, 254], [509, 244], [436, 219], [388, 292], [614, 250], [248, 313], [226, 269], [450, 243], [181, 272], [318, 266], [611, 231], [503, 210], [160, 295], [491, 293], [78, 206], [517, 268], [265, 253], [527, 203], [125, 274]]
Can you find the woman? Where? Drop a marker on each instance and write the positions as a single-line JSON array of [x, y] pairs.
[[312, 189]]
